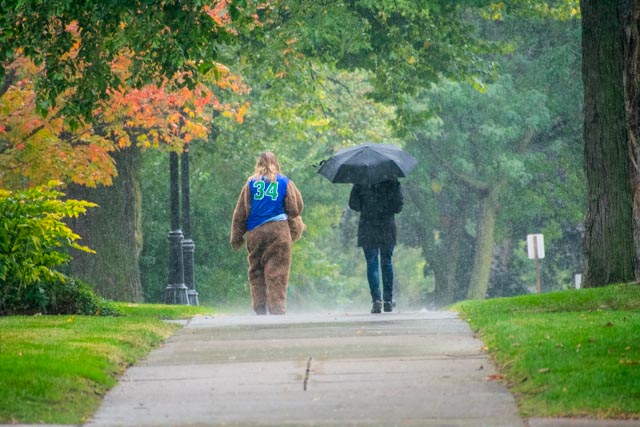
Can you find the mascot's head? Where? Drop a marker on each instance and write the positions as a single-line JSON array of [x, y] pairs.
[[267, 165]]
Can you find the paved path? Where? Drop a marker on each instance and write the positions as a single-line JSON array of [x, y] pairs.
[[390, 369]]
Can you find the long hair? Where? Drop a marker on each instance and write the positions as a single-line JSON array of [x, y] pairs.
[[267, 165]]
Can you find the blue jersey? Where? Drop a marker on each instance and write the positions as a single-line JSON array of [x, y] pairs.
[[267, 201]]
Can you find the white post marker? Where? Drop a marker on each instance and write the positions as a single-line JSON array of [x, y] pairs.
[[577, 280], [535, 250]]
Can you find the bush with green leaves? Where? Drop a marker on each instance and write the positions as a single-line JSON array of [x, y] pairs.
[[34, 243]]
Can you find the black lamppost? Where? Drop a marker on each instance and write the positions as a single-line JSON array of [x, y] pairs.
[[176, 291], [188, 247]]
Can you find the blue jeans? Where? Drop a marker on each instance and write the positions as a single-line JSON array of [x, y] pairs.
[[373, 271]]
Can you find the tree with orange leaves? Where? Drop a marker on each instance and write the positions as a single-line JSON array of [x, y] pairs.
[[51, 127], [167, 117], [36, 148], [77, 43]]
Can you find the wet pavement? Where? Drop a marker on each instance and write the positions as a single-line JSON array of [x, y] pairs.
[[390, 369]]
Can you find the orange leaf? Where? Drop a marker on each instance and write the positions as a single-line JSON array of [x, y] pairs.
[[495, 377]]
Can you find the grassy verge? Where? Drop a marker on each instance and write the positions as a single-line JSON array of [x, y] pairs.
[[571, 353], [56, 369]]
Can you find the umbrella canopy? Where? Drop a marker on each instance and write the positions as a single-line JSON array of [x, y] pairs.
[[368, 164]]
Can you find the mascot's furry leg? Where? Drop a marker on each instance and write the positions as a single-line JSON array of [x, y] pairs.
[[258, 289], [269, 256]]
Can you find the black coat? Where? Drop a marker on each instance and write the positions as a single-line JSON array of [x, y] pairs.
[[377, 205]]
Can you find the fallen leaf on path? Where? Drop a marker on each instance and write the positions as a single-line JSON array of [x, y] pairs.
[[495, 377]]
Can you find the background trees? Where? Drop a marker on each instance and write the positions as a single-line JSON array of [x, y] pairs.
[[535, 176], [475, 153], [84, 96], [486, 95], [304, 110]]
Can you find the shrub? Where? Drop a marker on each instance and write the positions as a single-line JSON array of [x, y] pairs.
[[73, 296], [34, 242], [64, 295]]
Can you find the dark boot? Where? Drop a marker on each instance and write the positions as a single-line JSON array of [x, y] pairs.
[[377, 307], [388, 306]]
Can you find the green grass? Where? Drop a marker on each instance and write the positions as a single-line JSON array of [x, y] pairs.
[[566, 354], [56, 369], [571, 353], [161, 311]]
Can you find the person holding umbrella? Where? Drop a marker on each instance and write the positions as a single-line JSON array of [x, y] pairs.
[[378, 204], [376, 194]]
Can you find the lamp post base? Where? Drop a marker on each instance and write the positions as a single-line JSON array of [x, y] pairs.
[[176, 294], [193, 297], [188, 250]]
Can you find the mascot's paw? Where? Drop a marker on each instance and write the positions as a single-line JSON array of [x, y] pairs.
[[237, 244], [296, 227]]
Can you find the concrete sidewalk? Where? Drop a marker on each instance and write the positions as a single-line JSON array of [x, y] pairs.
[[390, 369]]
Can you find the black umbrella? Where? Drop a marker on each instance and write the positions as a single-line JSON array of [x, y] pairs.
[[368, 164]]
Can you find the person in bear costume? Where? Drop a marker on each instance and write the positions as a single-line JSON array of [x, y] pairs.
[[268, 212]]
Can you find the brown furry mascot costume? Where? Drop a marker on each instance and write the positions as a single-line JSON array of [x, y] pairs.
[[268, 212]]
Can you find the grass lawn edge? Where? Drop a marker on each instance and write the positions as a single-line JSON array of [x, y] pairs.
[[57, 369], [571, 353]]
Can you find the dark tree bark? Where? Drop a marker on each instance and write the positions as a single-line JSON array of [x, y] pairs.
[[608, 243], [631, 19], [445, 291], [114, 231]]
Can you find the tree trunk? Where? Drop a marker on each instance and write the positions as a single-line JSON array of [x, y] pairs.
[[444, 272], [608, 242], [443, 251], [631, 20], [448, 292], [483, 254], [450, 288], [114, 231]]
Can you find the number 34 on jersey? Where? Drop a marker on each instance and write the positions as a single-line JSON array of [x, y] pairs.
[[270, 191]]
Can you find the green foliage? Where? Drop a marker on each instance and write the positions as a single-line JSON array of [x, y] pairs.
[[553, 202], [404, 44], [164, 37], [470, 141], [474, 144], [305, 110], [60, 295], [220, 273], [563, 10], [33, 244], [568, 354]]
